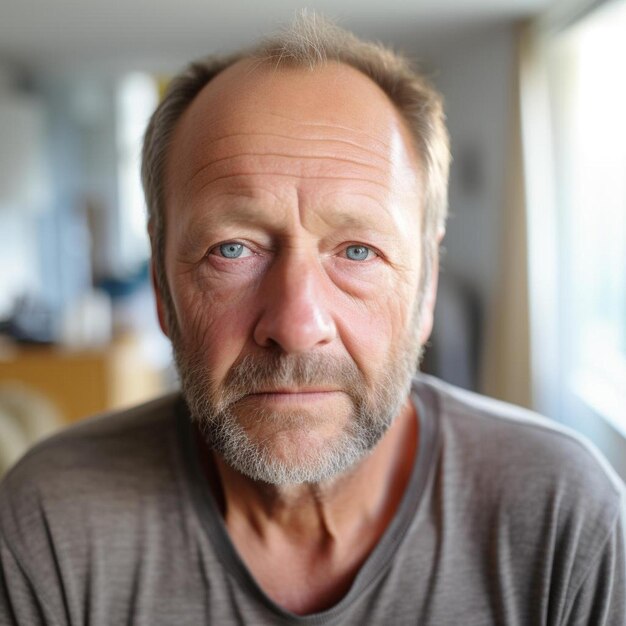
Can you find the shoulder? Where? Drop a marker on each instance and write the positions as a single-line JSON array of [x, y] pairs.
[[103, 459], [491, 432], [525, 495], [82, 507], [103, 441], [510, 459]]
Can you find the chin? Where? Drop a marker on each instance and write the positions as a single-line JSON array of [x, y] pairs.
[[293, 455]]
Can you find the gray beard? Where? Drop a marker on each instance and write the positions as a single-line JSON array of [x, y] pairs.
[[215, 409]]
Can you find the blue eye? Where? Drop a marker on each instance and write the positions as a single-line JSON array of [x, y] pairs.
[[231, 250], [358, 253]]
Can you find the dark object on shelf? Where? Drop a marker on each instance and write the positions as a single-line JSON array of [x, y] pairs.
[[30, 322]]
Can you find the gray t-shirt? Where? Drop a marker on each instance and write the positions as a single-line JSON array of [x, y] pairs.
[[506, 520]]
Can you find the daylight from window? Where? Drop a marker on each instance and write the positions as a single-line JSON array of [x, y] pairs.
[[592, 219]]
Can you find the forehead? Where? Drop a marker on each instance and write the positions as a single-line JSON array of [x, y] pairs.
[[331, 123]]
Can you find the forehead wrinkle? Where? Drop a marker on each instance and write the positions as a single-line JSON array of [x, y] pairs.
[[325, 125], [293, 176], [368, 152], [306, 157], [214, 162], [229, 121], [354, 144]]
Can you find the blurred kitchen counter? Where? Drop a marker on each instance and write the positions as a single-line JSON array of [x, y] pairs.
[[83, 382]]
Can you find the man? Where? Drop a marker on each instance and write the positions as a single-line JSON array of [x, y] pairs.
[[297, 197]]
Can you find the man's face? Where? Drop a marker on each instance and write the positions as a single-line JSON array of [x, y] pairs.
[[293, 259]]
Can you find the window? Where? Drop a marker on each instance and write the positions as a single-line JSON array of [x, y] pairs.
[[586, 67], [574, 104]]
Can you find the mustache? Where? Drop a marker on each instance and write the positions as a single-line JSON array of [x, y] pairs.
[[256, 373]]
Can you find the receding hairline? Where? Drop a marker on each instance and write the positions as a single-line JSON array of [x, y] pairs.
[[226, 84], [309, 43], [259, 70]]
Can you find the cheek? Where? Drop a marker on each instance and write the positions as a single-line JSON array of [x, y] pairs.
[[214, 325], [372, 331]]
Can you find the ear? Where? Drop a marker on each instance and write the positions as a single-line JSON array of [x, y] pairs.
[[430, 297], [160, 305]]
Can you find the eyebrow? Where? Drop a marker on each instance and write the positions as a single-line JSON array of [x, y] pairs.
[[237, 213], [200, 222]]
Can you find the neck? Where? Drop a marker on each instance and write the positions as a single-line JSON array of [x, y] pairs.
[[305, 543]]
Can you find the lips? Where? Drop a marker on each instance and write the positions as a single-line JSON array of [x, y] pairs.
[[302, 390], [293, 395]]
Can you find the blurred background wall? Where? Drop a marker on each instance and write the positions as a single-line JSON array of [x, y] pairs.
[[77, 83]]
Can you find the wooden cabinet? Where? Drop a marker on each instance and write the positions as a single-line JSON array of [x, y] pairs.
[[83, 382]]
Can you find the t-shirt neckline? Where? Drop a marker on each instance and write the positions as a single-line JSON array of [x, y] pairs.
[[376, 563]]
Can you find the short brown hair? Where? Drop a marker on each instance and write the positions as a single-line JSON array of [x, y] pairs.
[[310, 42]]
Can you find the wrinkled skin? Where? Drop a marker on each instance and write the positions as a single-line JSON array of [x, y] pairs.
[[293, 232]]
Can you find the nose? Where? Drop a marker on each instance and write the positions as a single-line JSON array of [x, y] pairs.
[[295, 315]]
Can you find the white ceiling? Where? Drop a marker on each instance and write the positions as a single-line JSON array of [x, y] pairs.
[[57, 32]]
